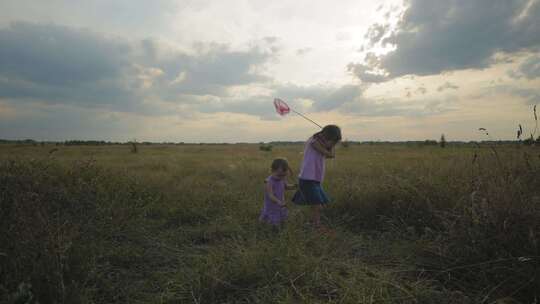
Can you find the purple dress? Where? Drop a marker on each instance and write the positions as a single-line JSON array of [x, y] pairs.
[[272, 213], [313, 163]]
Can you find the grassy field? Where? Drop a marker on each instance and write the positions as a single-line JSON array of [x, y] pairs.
[[178, 224]]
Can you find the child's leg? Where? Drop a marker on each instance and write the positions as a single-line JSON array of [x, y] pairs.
[[316, 218]]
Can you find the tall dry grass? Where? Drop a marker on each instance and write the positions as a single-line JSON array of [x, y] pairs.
[[178, 225]]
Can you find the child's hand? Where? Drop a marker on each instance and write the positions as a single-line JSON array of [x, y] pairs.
[[332, 153], [292, 186], [323, 149]]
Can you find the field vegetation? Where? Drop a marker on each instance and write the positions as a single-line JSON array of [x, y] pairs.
[[178, 224]]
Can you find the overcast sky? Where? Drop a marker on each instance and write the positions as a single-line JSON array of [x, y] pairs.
[[207, 71]]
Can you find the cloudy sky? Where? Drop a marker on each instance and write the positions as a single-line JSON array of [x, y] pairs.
[[207, 71]]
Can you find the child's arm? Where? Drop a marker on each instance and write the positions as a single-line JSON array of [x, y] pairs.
[[321, 149], [271, 195], [333, 152], [291, 186]]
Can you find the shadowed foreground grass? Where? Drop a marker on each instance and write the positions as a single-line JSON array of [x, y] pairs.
[[178, 224]]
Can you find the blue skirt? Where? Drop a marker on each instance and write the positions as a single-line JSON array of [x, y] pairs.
[[310, 192]]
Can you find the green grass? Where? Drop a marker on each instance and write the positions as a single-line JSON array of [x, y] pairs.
[[178, 224]]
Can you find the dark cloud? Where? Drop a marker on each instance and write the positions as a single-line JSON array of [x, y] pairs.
[[347, 99], [350, 99], [258, 105], [367, 74], [56, 64], [376, 32], [394, 107], [61, 65], [127, 17], [62, 122], [437, 36], [212, 71], [325, 98], [529, 69], [55, 55]]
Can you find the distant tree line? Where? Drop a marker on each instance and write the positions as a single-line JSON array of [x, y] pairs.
[[428, 142], [88, 143], [530, 141], [81, 142], [21, 141]]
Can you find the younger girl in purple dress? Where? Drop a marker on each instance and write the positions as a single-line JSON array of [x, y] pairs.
[[274, 211]]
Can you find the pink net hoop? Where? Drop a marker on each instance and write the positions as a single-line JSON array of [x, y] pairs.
[[281, 107]]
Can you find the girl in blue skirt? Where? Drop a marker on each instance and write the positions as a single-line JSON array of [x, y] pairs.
[[318, 147]]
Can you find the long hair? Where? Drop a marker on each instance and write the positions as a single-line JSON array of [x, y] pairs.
[[330, 132]]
